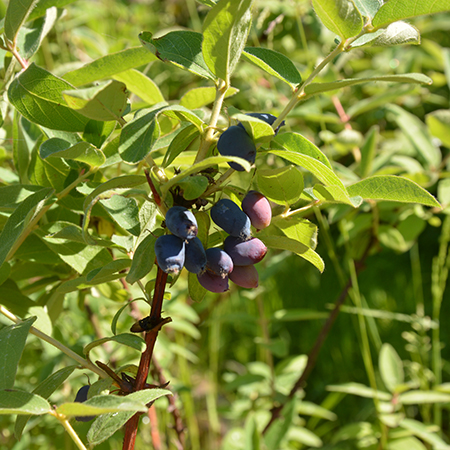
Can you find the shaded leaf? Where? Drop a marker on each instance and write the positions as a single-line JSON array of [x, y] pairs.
[[202, 96], [360, 390], [143, 259], [20, 402], [16, 15], [391, 367]]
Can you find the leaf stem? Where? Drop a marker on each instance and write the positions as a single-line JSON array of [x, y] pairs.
[[216, 186], [45, 337], [72, 433]]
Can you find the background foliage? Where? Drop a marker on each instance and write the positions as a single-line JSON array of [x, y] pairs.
[[381, 379]]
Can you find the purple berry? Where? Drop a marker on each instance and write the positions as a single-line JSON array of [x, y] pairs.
[[181, 222], [228, 216], [170, 253], [235, 141], [81, 397], [258, 209], [245, 276], [213, 283], [195, 258], [245, 253], [219, 263]]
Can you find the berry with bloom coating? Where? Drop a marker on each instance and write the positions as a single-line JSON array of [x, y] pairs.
[[228, 216], [235, 141], [245, 253], [170, 253], [195, 257], [219, 262], [245, 276], [181, 222], [213, 283], [258, 209]]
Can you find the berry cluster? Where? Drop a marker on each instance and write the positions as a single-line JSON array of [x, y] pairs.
[[214, 266]]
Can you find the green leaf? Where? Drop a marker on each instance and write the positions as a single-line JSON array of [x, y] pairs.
[[13, 299], [181, 113], [335, 194], [368, 151], [105, 101], [421, 431], [285, 243], [295, 142], [408, 443], [83, 151], [193, 187], [283, 185], [391, 368], [37, 95], [439, 125], [419, 78], [181, 48], [394, 10], [130, 340], [339, 16], [295, 315], [109, 65], [19, 219], [180, 143], [101, 274], [12, 343], [274, 63], [390, 187], [107, 424], [139, 135], [318, 169], [16, 15], [257, 129], [297, 228], [20, 402], [196, 291], [360, 390], [280, 427], [397, 33], [44, 390], [225, 32], [304, 436], [203, 96], [423, 397], [368, 8], [143, 259], [141, 85], [43, 5], [124, 211]]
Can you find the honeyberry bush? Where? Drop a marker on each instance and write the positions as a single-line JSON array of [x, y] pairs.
[[111, 115]]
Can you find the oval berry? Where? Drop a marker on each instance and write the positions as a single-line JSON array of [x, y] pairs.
[[195, 256], [81, 397], [245, 276], [181, 222], [235, 141], [245, 253], [219, 262], [258, 209], [170, 253], [213, 283], [228, 216]]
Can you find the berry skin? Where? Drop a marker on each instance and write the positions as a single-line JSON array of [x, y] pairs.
[[258, 209], [170, 253], [219, 263], [213, 283], [245, 276], [181, 222], [228, 216], [235, 141], [245, 253], [81, 397], [195, 258]]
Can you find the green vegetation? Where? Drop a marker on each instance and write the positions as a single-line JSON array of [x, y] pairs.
[[113, 112]]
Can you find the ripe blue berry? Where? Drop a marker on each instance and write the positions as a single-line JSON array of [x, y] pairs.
[[213, 283], [181, 222], [245, 276], [235, 141], [228, 216], [170, 253], [258, 209], [81, 397], [245, 253], [195, 258], [219, 262]]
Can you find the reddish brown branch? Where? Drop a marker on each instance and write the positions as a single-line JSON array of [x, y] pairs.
[[156, 196], [146, 357]]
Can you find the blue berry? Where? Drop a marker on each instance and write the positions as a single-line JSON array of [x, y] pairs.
[[170, 253], [195, 260], [81, 397], [245, 253], [219, 262], [228, 216], [235, 141], [181, 222]]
